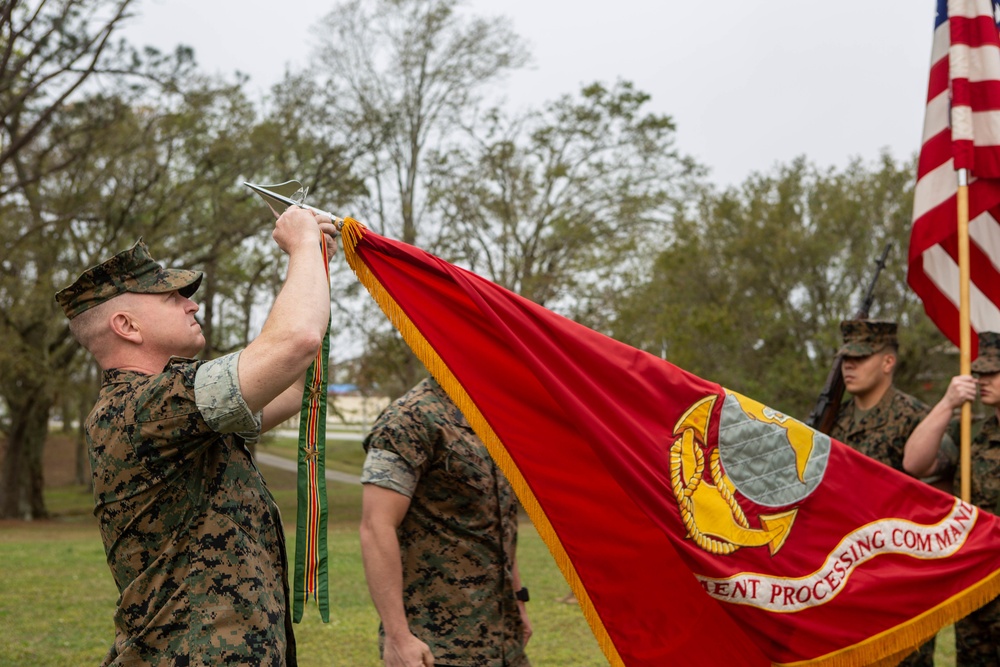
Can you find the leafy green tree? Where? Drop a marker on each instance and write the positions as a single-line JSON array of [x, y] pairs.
[[217, 140], [48, 51], [45, 229], [751, 290], [400, 77], [157, 151], [301, 136]]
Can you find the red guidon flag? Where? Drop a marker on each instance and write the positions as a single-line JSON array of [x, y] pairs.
[[696, 526]]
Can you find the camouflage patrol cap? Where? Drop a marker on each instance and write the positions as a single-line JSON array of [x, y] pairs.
[[131, 270], [865, 337], [988, 359]]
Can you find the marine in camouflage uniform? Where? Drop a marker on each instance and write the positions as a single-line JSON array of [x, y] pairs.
[[881, 431], [192, 535], [458, 536], [977, 636]]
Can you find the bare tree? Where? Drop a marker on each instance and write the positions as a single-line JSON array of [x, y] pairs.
[[48, 50], [402, 77], [402, 73], [563, 205]]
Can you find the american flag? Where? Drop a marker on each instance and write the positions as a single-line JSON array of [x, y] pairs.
[[961, 131]]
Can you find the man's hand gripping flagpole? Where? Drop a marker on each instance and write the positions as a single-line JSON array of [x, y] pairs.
[[290, 193]]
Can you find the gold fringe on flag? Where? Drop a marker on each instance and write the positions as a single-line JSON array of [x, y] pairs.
[[906, 638]]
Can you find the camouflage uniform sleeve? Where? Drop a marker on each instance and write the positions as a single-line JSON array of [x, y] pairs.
[[389, 471], [408, 429], [948, 453], [953, 432], [218, 397]]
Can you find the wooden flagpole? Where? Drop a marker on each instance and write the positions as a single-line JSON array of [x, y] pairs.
[[965, 342]]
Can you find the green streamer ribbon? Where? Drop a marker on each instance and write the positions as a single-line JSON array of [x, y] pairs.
[[311, 566]]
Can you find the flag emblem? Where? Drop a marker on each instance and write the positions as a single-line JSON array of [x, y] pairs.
[[767, 457]]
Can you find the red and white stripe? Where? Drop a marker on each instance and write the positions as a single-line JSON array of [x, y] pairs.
[[964, 88]]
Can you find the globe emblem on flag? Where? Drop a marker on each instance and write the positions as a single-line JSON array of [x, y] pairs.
[[771, 459]]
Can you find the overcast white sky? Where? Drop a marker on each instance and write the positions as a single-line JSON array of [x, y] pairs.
[[749, 83]]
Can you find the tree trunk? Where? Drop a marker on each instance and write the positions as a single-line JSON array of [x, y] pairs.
[[207, 292], [21, 494], [80, 476], [85, 401]]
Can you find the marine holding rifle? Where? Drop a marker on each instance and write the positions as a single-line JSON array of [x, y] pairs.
[[878, 418]]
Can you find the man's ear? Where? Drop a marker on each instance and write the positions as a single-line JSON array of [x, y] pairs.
[[124, 325], [889, 361]]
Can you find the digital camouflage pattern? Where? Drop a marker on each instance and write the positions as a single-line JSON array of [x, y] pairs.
[[192, 535], [985, 453], [132, 270], [865, 337], [977, 636], [459, 535], [988, 359], [880, 433]]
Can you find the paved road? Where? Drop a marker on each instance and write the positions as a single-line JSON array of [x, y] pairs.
[[287, 464]]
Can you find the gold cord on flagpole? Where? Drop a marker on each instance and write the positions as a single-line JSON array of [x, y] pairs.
[[965, 342]]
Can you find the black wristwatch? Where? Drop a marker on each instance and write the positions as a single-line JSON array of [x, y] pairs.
[[522, 595]]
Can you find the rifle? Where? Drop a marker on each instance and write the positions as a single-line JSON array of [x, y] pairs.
[[824, 414]]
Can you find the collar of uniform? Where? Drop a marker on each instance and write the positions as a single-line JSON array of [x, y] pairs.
[[860, 418], [119, 375], [884, 402]]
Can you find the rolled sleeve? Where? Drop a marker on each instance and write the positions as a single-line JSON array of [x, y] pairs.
[[218, 397], [389, 471]]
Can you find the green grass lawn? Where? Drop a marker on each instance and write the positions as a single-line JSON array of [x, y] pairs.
[[57, 597], [57, 600], [343, 455]]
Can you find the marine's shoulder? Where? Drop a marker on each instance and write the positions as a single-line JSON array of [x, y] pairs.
[[902, 401]]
